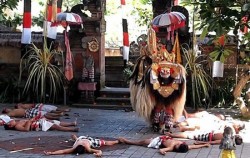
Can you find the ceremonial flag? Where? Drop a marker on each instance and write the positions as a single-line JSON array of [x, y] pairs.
[[26, 33], [68, 64], [50, 31], [125, 32]]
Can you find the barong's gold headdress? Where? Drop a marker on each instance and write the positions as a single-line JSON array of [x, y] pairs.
[[165, 75]]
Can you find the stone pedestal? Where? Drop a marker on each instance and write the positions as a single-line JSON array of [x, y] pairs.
[[87, 91]]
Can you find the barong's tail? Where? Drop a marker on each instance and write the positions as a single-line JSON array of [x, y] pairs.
[[142, 101]]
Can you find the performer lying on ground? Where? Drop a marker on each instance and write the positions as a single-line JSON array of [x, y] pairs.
[[42, 107], [167, 143], [41, 124], [212, 137], [200, 114], [201, 120], [83, 145], [4, 119], [30, 113]]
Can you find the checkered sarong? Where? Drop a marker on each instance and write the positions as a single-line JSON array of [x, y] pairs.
[[94, 143], [37, 106], [33, 112], [88, 73]]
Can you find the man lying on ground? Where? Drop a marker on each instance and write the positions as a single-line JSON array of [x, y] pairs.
[[42, 124], [4, 119], [212, 136], [42, 107], [83, 145], [165, 143], [201, 120], [30, 113], [202, 113]]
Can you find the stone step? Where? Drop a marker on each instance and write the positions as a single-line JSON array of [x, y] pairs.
[[115, 92], [112, 101], [109, 96], [103, 106], [116, 95], [114, 60]]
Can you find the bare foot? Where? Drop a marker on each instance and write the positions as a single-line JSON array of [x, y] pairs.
[[47, 152], [196, 143], [75, 122], [121, 140], [73, 136], [66, 110], [207, 145], [167, 133], [197, 127], [76, 129], [181, 129]]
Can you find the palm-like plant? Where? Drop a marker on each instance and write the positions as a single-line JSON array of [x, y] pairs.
[[220, 52], [42, 73], [200, 79]]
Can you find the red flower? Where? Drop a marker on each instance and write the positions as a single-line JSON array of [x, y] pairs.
[[221, 40]]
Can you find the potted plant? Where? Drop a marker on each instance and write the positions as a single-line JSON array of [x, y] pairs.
[[43, 76], [219, 55]]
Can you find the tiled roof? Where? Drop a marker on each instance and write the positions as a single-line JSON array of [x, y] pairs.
[[9, 38]]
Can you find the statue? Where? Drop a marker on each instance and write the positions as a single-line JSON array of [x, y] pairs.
[[88, 73]]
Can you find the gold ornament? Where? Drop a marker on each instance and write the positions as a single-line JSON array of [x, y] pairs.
[[93, 45]]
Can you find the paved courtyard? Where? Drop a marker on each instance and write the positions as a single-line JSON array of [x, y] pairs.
[[108, 124]]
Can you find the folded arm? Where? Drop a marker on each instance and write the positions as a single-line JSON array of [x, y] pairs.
[[24, 127]]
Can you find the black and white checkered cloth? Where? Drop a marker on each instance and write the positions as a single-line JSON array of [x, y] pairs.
[[94, 143], [32, 112]]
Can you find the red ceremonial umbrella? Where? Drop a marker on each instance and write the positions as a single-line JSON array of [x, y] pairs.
[[67, 18], [174, 20], [171, 20]]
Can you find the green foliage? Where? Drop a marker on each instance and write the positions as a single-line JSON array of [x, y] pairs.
[[127, 72], [146, 1], [145, 15], [221, 17], [112, 7], [70, 3], [43, 76], [222, 93], [220, 54], [9, 89], [17, 18], [38, 20], [8, 4], [143, 10], [199, 79]]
